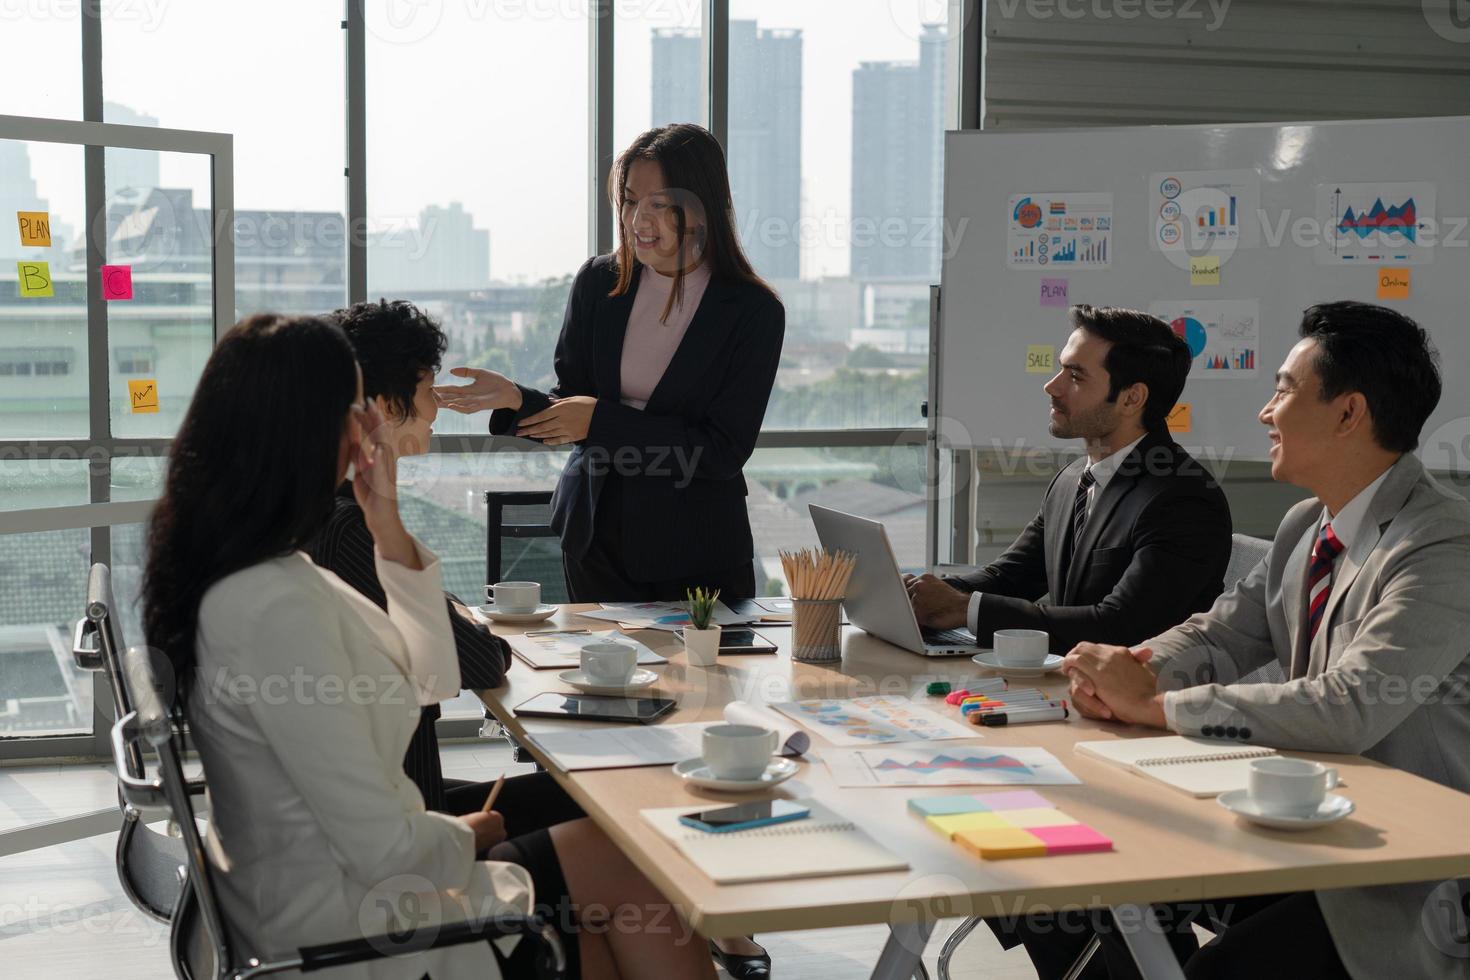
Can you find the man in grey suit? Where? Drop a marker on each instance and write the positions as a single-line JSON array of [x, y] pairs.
[[1363, 601]]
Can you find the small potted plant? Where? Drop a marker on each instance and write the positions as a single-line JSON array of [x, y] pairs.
[[702, 636]]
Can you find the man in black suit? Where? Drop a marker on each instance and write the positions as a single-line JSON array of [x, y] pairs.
[[1131, 540]]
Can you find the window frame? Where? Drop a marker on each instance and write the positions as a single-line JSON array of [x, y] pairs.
[[951, 499]]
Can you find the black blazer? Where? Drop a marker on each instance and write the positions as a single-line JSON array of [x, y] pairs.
[[680, 458], [1152, 553]]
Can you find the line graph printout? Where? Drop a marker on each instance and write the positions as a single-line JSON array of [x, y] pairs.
[[873, 720], [967, 765], [1376, 223]]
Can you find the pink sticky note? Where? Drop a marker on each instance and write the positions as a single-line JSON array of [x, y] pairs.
[[1053, 292], [117, 282], [1075, 838], [1022, 799]]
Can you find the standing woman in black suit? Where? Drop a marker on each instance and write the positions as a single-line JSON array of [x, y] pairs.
[[665, 363]]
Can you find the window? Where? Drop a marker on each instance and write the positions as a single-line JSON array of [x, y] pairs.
[[480, 219], [134, 360], [287, 123], [40, 58], [836, 118], [657, 59]]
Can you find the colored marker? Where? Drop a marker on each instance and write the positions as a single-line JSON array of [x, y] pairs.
[[971, 709], [993, 719], [1011, 697], [988, 686]]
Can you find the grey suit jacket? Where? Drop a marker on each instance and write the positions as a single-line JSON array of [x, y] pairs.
[[1386, 677]]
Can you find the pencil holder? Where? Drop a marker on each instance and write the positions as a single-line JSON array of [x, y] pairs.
[[816, 634]]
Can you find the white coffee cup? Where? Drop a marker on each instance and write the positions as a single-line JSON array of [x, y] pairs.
[[1021, 648], [609, 664], [738, 751], [1290, 786], [515, 597]]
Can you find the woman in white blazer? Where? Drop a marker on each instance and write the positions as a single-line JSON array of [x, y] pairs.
[[303, 695]]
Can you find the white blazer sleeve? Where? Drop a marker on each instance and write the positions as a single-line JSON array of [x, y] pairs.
[[320, 730], [416, 606]]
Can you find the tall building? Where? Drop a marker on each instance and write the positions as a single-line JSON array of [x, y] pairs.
[[764, 143], [899, 110], [445, 251], [18, 192], [129, 170]]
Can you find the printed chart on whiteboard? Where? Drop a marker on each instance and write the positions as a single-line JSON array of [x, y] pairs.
[[1060, 231], [1193, 210], [1224, 335], [1376, 222]]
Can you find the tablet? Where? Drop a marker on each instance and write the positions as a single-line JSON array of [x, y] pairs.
[[595, 707], [738, 639]]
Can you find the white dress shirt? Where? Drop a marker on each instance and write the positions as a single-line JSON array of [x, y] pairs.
[[1350, 519], [1102, 472]]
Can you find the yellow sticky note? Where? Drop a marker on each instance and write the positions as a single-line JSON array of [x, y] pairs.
[[143, 395], [1181, 419], [1393, 283], [1204, 270], [35, 228], [951, 824], [1039, 358], [34, 278], [1007, 842]]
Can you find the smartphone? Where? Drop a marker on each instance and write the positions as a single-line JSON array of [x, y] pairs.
[[595, 707], [745, 816], [740, 640]]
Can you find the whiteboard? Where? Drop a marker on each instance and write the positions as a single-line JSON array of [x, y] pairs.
[[1287, 210]]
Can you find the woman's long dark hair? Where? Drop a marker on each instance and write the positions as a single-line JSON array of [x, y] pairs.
[[252, 472], [692, 163]]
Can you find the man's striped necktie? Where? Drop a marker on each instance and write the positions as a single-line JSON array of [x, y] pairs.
[[1079, 505], [1319, 577]]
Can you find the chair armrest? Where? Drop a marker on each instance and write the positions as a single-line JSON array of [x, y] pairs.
[[551, 965]]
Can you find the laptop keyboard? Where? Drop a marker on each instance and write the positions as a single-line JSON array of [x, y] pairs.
[[949, 638]]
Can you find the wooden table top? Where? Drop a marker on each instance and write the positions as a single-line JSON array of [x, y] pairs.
[[1168, 846]]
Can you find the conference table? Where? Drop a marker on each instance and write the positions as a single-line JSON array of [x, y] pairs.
[[1168, 846]]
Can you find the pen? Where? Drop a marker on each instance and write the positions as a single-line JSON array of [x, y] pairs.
[[555, 632], [992, 719], [494, 792], [971, 709]]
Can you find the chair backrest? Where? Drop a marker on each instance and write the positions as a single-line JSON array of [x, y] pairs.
[[148, 862], [1246, 553], [150, 723], [523, 515]]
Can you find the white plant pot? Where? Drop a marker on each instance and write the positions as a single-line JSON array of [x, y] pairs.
[[702, 646]]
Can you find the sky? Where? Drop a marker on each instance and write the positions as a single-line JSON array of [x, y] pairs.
[[478, 101]]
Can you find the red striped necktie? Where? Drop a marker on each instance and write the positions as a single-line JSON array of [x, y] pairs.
[[1319, 577]]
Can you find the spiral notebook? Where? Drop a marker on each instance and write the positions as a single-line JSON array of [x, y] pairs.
[[1197, 766], [822, 844]]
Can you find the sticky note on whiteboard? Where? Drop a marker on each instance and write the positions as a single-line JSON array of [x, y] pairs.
[[1053, 292], [1393, 283], [143, 395], [34, 279], [117, 282], [1039, 358], [35, 228], [1204, 270], [1181, 419]]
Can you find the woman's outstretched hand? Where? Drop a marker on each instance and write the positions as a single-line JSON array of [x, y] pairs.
[[486, 390]]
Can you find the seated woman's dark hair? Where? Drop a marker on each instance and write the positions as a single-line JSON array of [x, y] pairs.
[[252, 471], [396, 342]]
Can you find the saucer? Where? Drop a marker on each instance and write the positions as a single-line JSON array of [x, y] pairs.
[[695, 772], [541, 613], [1332, 809], [641, 679], [988, 659]]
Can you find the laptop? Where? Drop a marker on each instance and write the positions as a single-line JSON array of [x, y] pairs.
[[877, 600]]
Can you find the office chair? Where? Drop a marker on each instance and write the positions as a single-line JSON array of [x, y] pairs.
[[148, 861], [201, 944], [523, 515]]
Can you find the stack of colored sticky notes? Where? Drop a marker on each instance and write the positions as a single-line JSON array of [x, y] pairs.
[[1008, 825]]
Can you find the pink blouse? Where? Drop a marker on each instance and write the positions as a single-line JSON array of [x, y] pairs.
[[649, 345]]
